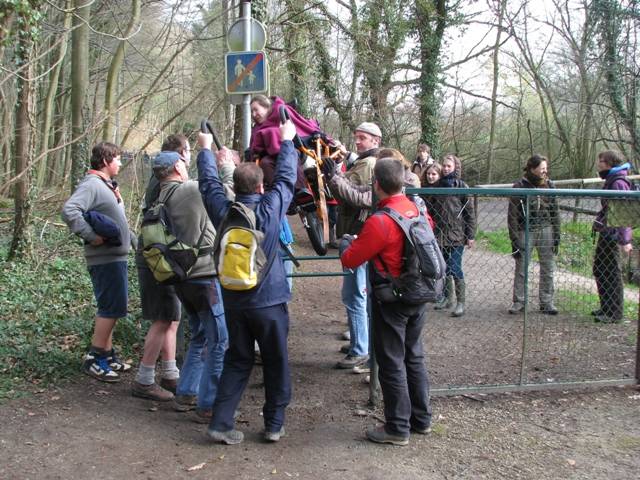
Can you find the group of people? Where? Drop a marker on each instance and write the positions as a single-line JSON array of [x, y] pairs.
[[228, 328]]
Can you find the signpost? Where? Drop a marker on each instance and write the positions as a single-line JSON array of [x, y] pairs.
[[245, 72], [246, 69]]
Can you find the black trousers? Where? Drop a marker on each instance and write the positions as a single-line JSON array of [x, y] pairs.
[[269, 326], [608, 274], [397, 341]]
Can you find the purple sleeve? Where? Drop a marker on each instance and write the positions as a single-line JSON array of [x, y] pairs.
[[624, 233]]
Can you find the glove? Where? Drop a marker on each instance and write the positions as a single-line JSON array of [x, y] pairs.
[[516, 249], [556, 245], [328, 168], [345, 243]]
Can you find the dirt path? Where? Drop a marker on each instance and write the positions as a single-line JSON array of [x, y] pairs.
[[85, 429]]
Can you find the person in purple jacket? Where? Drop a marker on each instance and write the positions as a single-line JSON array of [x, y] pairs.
[[611, 241]]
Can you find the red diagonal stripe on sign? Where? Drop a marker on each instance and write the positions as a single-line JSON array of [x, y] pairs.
[[247, 69]]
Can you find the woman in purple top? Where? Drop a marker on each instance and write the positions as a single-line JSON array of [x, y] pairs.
[[611, 241]]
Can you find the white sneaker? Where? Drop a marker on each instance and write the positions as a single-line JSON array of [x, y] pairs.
[[346, 335]]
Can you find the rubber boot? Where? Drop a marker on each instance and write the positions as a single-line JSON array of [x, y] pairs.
[[332, 238], [448, 296], [461, 294]]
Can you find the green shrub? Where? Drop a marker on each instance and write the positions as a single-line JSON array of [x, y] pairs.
[[47, 312]]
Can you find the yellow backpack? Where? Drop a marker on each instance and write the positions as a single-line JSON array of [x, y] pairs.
[[237, 253]]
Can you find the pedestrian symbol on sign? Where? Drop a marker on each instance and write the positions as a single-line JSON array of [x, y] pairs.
[[246, 73]]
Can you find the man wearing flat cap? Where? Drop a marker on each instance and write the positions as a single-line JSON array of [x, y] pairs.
[[350, 221], [200, 293]]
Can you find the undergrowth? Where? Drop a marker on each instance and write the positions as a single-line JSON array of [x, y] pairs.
[[47, 309]]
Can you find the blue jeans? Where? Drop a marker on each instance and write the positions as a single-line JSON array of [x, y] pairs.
[[208, 327], [453, 258], [354, 297], [288, 268]]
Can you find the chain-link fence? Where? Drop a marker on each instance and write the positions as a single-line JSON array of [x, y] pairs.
[[551, 324]]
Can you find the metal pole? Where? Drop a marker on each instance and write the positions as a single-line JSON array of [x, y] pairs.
[[246, 99], [526, 288]]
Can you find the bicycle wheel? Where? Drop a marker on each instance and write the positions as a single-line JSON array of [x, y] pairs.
[[315, 231]]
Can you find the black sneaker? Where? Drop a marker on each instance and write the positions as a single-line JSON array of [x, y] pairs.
[[379, 435], [99, 369], [351, 361]]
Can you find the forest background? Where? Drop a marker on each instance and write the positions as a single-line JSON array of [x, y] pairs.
[[491, 81]]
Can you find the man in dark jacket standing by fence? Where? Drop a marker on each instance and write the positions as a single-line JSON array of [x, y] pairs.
[[260, 314], [611, 241]]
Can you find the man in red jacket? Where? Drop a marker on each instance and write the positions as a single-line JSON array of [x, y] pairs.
[[396, 326]]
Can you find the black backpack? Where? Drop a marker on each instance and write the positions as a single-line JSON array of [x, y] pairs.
[[423, 266], [168, 256]]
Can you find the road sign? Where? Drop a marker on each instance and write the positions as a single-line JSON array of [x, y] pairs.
[[246, 72], [235, 37]]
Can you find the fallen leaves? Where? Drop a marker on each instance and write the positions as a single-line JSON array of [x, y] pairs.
[[196, 467]]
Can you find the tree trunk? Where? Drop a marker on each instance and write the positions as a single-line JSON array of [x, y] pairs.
[[494, 94], [51, 93], [79, 84], [114, 70], [431, 17], [23, 151]]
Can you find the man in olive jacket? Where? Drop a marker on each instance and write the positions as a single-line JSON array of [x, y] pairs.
[[200, 293]]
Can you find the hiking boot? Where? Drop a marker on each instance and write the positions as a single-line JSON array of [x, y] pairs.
[[184, 403], [421, 431], [516, 308], [352, 361], [169, 384], [596, 312], [152, 392], [606, 319], [379, 435], [202, 415], [99, 369], [548, 309], [273, 436], [345, 348], [232, 437]]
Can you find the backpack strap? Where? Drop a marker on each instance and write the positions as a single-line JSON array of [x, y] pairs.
[[400, 221], [201, 253]]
